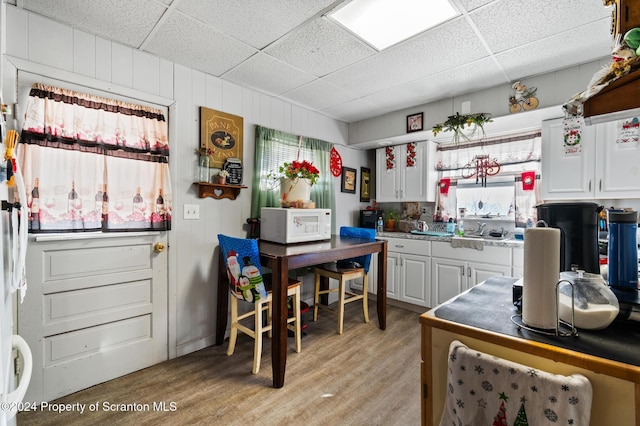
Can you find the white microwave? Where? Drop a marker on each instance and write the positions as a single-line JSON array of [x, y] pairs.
[[284, 226]]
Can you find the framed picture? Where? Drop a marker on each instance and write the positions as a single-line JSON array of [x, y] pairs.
[[414, 122], [221, 134], [348, 180], [365, 188]]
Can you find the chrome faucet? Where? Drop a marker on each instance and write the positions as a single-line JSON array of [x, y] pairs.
[[481, 227]]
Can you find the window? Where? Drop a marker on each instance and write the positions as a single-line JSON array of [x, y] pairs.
[[274, 148], [512, 193]]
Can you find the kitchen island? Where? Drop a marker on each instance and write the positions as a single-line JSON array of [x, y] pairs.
[[481, 319]]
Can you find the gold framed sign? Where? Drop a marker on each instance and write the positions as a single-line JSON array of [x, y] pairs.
[[221, 134]]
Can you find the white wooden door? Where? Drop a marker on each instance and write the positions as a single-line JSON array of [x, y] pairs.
[[96, 310], [414, 183], [393, 265], [618, 162], [415, 280], [447, 279], [479, 272], [387, 180], [566, 175]]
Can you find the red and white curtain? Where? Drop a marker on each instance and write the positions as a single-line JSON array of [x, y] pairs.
[[92, 163]]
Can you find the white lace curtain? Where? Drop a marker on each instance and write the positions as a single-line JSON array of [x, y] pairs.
[[91, 163]]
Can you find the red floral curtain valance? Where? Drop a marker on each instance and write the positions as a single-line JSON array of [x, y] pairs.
[[93, 163]]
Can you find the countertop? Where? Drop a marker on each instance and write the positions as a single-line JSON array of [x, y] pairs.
[[489, 307], [507, 242]]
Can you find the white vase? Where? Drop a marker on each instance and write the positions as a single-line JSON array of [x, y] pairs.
[[295, 192]]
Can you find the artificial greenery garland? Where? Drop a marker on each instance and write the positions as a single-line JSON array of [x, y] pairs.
[[456, 124]]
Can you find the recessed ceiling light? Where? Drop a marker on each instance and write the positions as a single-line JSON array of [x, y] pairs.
[[383, 23]]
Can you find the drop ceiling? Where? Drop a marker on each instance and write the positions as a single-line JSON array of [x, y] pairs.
[[287, 49]]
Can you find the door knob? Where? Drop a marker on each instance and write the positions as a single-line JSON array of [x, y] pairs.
[[158, 247]]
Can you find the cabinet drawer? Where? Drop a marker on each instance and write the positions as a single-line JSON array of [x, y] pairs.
[[404, 245], [489, 254]]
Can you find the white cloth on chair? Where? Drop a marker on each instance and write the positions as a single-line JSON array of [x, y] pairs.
[[483, 390]]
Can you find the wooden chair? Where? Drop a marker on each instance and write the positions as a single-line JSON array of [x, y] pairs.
[[343, 274], [246, 282]]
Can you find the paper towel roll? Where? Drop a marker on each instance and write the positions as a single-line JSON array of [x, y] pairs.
[[541, 274]]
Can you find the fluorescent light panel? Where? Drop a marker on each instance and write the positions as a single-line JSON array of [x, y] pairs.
[[383, 23]]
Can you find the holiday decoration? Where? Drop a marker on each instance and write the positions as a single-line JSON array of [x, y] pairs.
[[481, 166], [528, 180], [335, 162], [411, 154], [391, 164]]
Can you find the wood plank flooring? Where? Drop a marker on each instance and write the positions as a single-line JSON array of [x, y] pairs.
[[364, 377]]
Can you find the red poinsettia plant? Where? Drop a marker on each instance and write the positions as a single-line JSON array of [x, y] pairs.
[[300, 169]]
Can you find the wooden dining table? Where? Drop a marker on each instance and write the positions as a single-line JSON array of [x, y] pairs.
[[281, 258]]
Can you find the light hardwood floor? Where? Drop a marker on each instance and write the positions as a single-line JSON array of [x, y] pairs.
[[364, 377]]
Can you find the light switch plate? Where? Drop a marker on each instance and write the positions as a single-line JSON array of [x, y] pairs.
[[191, 212]]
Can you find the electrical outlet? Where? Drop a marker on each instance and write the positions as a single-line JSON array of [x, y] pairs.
[[426, 210], [191, 212]]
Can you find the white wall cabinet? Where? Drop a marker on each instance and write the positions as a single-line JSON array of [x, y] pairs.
[[617, 163], [409, 271], [567, 176], [604, 169], [397, 181], [455, 270]]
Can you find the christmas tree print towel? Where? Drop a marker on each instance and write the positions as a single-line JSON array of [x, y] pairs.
[[486, 390]]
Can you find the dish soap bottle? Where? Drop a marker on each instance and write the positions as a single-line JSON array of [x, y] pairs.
[[460, 228]]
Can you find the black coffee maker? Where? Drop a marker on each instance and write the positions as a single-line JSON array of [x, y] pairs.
[[578, 224]]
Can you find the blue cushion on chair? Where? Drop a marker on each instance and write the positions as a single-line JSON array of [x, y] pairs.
[[366, 233], [242, 259]]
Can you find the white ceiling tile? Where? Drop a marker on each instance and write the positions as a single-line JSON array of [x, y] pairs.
[[269, 74], [466, 78], [522, 22], [189, 42], [257, 23], [127, 22], [358, 109], [318, 94], [320, 47], [473, 4], [581, 45], [426, 54]]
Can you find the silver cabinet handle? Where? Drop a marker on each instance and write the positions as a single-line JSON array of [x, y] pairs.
[[399, 246], [589, 185]]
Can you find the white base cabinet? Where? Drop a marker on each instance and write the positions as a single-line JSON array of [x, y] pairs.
[[455, 270], [409, 271]]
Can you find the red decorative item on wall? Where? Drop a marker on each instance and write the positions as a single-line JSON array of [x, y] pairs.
[[411, 154], [335, 162]]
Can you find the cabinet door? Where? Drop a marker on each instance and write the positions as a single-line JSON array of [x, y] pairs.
[[618, 162], [567, 176], [448, 279], [413, 179], [415, 278], [393, 266], [479, 272], [387, 180]]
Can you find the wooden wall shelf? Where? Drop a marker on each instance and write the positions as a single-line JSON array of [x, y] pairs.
[[218, 191]]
